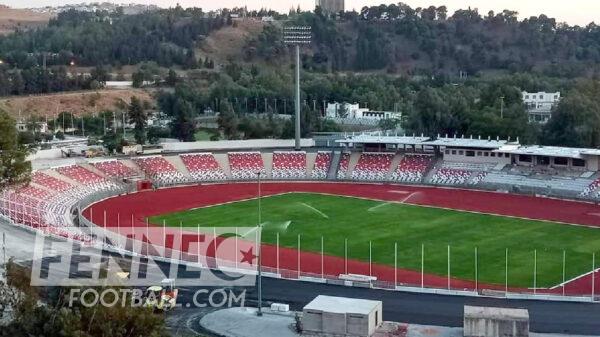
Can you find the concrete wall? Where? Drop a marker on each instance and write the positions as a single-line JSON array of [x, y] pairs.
[[488, 327]]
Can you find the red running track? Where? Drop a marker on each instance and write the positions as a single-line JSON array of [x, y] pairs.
[[150, 203]]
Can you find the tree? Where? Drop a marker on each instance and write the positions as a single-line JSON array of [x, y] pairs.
[[14, 167], [113, 142], [183, 126], [172, 78], [155, 133], [228, 123], [138, 117]]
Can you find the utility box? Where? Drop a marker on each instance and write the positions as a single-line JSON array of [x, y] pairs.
[[495, 322], [341, 316]]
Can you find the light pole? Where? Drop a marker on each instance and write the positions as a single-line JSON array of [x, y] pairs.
[[296, 36], [259, 312]]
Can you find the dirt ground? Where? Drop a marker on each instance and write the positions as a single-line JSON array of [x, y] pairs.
[[12, 18], [81, 102]]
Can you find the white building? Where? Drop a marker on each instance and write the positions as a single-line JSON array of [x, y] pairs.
[[354, 111], [539, 105]]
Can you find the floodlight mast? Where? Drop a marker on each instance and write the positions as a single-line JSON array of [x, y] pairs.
[[297, 36]]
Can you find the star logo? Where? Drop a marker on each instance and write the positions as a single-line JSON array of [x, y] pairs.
[[248, 256]]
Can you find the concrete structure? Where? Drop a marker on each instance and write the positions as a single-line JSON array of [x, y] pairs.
[[540, 104], [354, 111], [341, 316], [24, 126], [495, 322], [331, 6]]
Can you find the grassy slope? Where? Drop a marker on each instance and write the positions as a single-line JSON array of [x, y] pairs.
[[336, 218]]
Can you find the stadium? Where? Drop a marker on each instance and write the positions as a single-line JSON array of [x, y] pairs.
[[450, 214]]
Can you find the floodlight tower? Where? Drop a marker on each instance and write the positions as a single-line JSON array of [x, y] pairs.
[[297, 36]]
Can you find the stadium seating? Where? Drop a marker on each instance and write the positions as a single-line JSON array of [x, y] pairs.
[[115, 169], [565, 184], [448, 176], [411, 168], [87, 178], [478, 178], [591, 190], [203, 166], [289, 165], [372, 166], [50, 182], [160, 170], [343, 167], [322, 165], [245, 165]]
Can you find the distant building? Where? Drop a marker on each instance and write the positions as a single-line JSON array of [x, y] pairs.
[[539, 105], [25, 126], [354, 111], [331, 6]]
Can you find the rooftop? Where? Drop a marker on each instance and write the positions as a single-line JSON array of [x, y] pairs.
[[383, 139], [551, 151], [342, 305], [470, 142]]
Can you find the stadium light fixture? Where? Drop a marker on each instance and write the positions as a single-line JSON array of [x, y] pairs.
[[297, 36]]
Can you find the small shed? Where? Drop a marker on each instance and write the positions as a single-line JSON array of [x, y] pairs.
[[341, 316], [495, 322]]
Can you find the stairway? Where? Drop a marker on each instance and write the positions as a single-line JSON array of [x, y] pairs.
[[335, 164], [179, 165], [395, 162], [223, 161]]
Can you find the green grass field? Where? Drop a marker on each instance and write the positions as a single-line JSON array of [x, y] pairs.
[[360, 221]]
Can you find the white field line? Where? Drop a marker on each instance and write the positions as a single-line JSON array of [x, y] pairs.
[[575, 278], [234, 201], [315, 210], [378, 206]]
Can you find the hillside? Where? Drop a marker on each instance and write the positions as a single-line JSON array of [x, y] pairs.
[[227, 44], [77, 103], [12, 19]]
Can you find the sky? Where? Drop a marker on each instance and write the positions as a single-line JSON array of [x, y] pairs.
[[580, 12]]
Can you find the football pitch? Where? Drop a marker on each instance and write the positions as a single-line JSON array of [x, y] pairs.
[[535, 248]]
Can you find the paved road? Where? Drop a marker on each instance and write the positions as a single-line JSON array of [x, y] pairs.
[[427, 309]]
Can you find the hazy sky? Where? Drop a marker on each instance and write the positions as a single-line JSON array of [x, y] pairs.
[[574, 11]]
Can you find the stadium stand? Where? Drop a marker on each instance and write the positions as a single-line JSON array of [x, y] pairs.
[[115, 169], [322, 165], [203, 166], [592, 190], [448, 176], [160, 170], [245, 165], [565, 184], [50, 182], [289, 165], [87, 178], [412, 168], [344, 164], [461, 173], [372, 166]]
